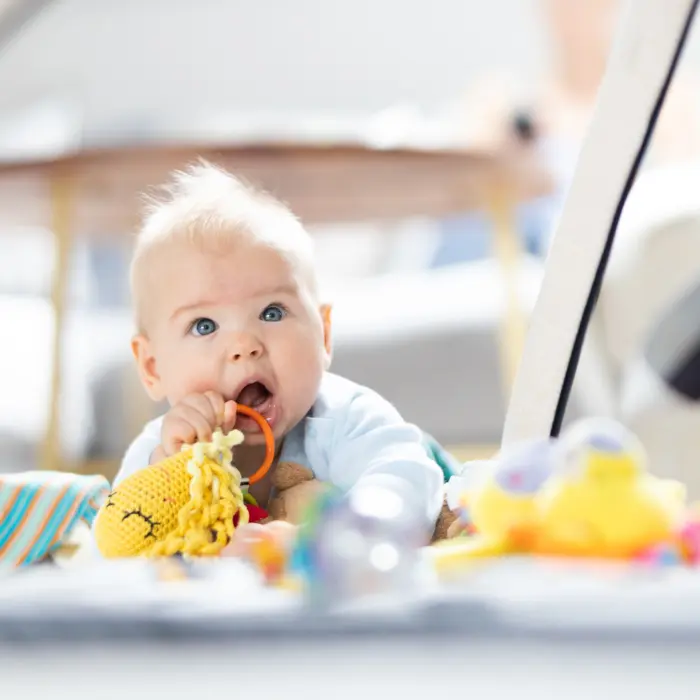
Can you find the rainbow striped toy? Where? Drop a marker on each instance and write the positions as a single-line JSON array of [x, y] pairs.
[[39, 511]]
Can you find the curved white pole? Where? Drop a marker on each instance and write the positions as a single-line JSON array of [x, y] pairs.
[[642, 57]]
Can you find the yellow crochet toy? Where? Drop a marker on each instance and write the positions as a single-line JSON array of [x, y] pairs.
[[187, 504]]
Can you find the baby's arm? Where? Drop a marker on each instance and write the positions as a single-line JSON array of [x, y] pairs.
[[138, 454], [373, 443]]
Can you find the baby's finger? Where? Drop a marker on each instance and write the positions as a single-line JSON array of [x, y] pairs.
[[202, 404], [200, 423], [217, 403], [176, 431], [229, 421]]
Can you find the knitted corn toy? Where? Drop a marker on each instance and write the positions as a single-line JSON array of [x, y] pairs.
[[187, 504]]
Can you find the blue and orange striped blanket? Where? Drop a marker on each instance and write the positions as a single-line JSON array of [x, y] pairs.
[[39, 510]]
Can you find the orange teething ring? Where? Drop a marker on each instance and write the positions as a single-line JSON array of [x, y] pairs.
[[269, 441]]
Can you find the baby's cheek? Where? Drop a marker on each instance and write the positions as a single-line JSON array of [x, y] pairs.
[[189, 375], [299, 372]]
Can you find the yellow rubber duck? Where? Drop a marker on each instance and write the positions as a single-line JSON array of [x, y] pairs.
[[505, 501], [601, 501], [501, 506], [587, 495]]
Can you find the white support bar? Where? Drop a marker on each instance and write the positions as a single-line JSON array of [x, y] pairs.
[[641, 58]]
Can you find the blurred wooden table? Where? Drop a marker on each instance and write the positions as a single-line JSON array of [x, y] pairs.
[[97, 193]]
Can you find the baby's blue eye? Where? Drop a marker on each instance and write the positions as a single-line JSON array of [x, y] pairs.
[[203, 326], [273, 313]]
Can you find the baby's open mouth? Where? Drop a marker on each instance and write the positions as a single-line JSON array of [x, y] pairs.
[[254, 395], [258, 396]]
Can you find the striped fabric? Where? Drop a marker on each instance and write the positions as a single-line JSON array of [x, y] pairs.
[[38, 511]]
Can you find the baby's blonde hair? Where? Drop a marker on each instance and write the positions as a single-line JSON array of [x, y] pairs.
[[207, 205]]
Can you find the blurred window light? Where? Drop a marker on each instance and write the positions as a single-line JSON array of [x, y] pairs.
[[26, 261], [43, 129]]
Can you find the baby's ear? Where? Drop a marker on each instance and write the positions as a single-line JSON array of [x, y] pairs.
[[146, 365], [327, 336]]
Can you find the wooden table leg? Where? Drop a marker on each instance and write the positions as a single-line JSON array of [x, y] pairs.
[[51, 457], [508, 252], [513, 324]]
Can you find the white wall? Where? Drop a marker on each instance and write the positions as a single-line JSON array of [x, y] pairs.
[[133, 59], [136, 61]]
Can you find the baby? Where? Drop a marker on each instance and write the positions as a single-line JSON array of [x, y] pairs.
[[228, 312]]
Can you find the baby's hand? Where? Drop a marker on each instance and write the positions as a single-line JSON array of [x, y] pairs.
[[194, 419]]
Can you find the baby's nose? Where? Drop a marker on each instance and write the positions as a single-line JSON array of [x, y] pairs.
[[245, 347]]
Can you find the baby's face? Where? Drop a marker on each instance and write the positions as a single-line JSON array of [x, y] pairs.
[[239, 320]]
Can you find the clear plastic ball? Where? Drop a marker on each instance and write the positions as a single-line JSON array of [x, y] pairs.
[[366, 544]]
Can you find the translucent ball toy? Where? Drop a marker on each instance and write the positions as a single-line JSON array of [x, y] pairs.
[[363, 544]]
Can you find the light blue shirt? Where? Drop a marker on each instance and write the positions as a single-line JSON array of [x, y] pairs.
[[351, 434]]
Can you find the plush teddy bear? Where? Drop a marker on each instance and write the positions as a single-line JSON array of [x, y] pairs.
[[445, 527], [295, 487]]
